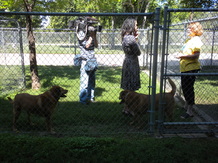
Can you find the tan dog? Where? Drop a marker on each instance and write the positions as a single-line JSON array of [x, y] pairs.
[[137, 104], [42, 105]]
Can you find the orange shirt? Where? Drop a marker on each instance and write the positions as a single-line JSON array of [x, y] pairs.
[[191, 45]]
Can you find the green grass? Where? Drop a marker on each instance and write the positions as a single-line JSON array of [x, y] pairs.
[[59, 49], [11, 78], [103, 117], [23, 148], [72, 117], [207, 87], [70, 49], [119, 142]]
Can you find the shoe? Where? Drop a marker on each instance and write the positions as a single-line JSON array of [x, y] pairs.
[[128, 113], [125, 112], [93, 101], [90, 101], [186, 115]]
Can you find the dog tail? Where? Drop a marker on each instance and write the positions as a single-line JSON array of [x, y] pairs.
[[11, 101], [173, 91]]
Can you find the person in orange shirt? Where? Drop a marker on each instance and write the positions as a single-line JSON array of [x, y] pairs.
[[189, 63]]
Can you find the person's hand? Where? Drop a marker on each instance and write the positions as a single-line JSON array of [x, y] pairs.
[[180, 56], [89, 41], [136, 35]]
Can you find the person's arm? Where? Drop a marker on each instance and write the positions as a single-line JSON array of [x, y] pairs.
[[91, 38], [135, 46], [193, 56]]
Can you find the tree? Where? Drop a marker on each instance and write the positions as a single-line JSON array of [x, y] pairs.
[[28, 5], [83, 6], [18, 6], [197, 3], [32, 47], [99, 6]]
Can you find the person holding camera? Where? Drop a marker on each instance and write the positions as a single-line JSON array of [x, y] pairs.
[[86, 34]]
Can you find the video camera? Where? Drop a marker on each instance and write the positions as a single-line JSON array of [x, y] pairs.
[[84, 25]]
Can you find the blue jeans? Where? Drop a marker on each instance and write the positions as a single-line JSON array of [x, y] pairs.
[[87, 82]]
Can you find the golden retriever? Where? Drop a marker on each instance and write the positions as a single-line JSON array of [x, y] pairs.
[[137, 104], [42, 105]]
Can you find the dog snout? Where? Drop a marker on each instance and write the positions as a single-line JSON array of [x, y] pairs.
[[64, 92]]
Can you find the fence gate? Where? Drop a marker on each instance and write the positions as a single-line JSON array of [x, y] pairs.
[[205, 118], [11, 56]]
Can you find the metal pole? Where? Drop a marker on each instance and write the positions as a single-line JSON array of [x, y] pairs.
[[154, 72], [160, 115], [75, 43], [21, 53], [211, 61]]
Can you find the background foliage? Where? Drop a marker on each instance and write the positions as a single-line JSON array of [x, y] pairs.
[[96, 6]]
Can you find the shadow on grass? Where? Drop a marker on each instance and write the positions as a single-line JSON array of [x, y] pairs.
[[47, 74], [74, 118]]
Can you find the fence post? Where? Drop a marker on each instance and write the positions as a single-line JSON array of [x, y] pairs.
[[21, 54], [154, 69], [212, 50], [163, 54]]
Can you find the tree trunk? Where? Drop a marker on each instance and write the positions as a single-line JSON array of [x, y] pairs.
[[32, 47], [32, 56], [145, 17]]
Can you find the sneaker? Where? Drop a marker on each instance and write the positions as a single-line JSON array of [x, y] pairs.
[[186, 115], [128, 113], [91, 101]]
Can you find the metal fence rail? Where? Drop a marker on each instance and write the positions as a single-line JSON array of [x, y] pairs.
[[56, 50], [205, 119]]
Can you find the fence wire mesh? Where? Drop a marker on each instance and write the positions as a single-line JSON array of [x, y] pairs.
[[11, 54], [56, 50], [205, 87]]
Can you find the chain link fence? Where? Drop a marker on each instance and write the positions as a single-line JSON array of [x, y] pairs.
[[205, 108], [56, 50], [11, 54]]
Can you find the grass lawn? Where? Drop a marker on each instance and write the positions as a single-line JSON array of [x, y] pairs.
[[60, 49], [207, 87], [93, 133], [72, 117], [23, 148]]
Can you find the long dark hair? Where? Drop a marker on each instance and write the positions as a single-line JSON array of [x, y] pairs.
[[128, 27]]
